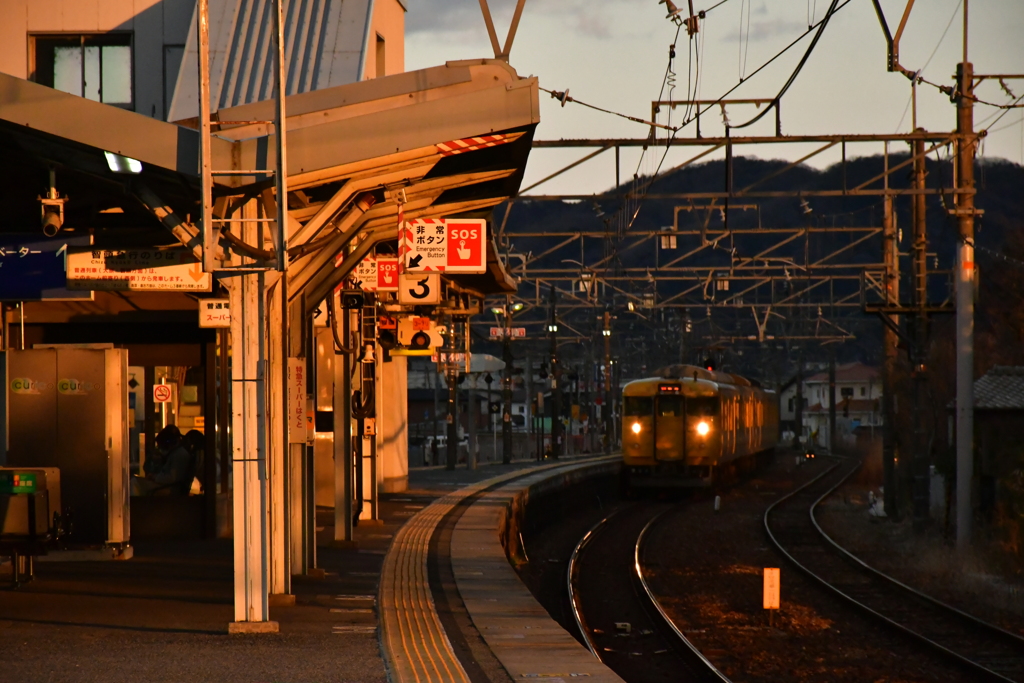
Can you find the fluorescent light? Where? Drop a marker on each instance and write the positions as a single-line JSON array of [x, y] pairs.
[[122, 164]]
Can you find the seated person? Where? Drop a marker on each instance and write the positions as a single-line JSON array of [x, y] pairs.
[[170, 470]]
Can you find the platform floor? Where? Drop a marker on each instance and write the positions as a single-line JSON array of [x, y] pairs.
[[163, 615]]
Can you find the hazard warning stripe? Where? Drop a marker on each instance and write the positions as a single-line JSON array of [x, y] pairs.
[[453, 147]]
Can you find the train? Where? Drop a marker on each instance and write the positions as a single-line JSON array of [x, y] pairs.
[[689, 426]]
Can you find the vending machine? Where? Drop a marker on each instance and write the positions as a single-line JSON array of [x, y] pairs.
[[68, 408]]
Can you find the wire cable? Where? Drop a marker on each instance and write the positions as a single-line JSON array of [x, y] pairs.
[[930, 58]]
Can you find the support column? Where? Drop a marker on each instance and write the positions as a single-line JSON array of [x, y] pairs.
[[506, 392], [606, 370], [889, 352], [249, 456], [965, 306], [798, 414], [277, 463], [451, 377], [393, 425], [556, 381], [343, 465]]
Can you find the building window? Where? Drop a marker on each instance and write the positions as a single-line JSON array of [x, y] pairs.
[[380, 57], [96, 67], [846, 392], [791, 404], [863, 391]]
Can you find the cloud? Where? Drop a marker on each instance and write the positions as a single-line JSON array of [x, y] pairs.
[[765, 30], [589, 17]]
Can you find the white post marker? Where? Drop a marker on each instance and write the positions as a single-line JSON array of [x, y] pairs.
[[771, 591]]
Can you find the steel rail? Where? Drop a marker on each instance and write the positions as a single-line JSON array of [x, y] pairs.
[[570, 575], [638, 569], [861, 565]]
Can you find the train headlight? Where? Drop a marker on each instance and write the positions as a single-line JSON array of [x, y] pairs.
[[703, 428], [636, 427]]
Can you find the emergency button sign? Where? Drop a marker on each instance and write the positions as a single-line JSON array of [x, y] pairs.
[[450, 245], [467, 250]]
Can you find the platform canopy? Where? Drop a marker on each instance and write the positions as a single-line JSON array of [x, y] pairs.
[[446, 141]]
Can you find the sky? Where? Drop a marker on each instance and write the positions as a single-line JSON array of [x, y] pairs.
[[614, 53]]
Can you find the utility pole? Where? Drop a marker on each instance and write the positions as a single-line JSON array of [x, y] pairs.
[[966, 144], [606, 409], [798, 415], [832, 440], [556, 377], [890, 350], [920, 466]]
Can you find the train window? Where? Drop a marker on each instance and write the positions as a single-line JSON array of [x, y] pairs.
[[702, 406], [639, 405], [670, 406]]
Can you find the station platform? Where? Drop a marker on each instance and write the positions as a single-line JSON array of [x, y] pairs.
[[163, 615]]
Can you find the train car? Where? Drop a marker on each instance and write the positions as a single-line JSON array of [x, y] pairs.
[[691, 427]]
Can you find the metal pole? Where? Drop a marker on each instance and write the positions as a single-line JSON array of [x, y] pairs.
[[920, 269], [281, 175], [606, 409], [556, 377], [832, 440], [890, 351], [798, 416], [205, 171], [506, 393], [472, 414], [453, 405], [343, 435], [965, 302], [530, 422]]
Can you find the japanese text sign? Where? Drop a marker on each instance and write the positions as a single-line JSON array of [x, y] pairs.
[[214, 313], [137, 270], [444, 244], [296, 400]]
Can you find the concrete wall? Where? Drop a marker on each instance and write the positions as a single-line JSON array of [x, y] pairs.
[[388, 23], [154, 24]]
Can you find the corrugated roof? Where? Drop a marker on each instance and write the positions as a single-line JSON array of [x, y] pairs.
[[324, 43], [1002, 388], [848, 372]]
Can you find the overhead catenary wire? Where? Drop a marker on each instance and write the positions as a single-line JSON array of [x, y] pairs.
[[920, 71]]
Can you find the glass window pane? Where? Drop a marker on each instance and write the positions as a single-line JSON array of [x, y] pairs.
[[92, 73], [638, 405], [702, 406], [117, 74], [67, 69], [670, 406]]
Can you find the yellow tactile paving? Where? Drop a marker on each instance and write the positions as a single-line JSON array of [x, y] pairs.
[[416, 647]]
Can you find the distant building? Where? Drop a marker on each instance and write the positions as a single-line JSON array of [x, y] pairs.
[[998, 416], [858, 403]]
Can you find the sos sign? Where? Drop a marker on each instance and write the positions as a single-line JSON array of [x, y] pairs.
[[467, 246]]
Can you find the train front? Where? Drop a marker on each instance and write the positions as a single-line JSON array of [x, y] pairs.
[[671, 435]]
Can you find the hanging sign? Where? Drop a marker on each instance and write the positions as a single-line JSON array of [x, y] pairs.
[[162, 393], [296, 400], [214, 313], [771, 588], [419, 289], [451, 245], [512, 332], [166, 270]]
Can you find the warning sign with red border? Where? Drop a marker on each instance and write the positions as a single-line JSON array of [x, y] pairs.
[[377, 274], [451, 245]]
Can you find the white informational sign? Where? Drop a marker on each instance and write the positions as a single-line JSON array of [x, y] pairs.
[[165, 270], [162, 393], [214, 313], [444, 245], [296, 400], [419, 289], [771, 588], [365, 274], [376, 274], [512, 332]]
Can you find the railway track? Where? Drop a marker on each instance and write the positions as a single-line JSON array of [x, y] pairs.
[[620, 619], [990, 651]]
